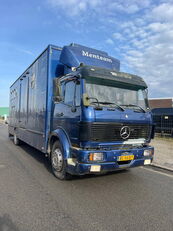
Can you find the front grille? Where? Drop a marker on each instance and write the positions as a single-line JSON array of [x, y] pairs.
[[123, 162], [106, 132]]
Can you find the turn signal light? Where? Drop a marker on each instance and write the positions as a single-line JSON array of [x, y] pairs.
[[96, 156]]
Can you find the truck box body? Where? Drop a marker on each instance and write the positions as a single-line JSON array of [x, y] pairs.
[[37, 118], [30, 106]]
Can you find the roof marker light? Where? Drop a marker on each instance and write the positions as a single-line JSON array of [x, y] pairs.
[[114, 73], [73, 68]]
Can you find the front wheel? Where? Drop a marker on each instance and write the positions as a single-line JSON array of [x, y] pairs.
[[58, 162]]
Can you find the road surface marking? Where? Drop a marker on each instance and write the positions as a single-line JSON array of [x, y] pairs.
[[161, 173]]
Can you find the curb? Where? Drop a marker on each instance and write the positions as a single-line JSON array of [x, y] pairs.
[[162, 167]]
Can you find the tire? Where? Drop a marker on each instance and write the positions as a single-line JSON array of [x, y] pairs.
[[16, 140], [10, 135], [172, 132], [58, 163]]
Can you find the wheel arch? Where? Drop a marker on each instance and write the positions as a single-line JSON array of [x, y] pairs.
[[60, 135]]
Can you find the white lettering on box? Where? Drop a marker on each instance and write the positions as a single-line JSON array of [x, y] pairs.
[[94, 56]]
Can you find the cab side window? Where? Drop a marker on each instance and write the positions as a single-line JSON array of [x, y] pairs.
[[69, 93], [72, 93], [62, 91]]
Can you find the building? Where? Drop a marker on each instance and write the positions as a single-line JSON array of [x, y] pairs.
[[161, 103], [4, 112]]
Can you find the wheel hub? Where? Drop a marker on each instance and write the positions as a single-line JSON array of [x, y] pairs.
[[57, 159], [15, 138]]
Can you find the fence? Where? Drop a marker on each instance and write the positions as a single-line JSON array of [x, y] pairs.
[[163, 119]]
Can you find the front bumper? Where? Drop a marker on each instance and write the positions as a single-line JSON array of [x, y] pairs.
[[81, 164]]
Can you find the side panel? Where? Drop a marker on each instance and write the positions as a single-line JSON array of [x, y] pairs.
[[37, 94], [35, 116], [14, 104], [28, 105], [23, 106]]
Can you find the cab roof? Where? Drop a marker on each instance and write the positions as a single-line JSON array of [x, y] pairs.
[[110, 77]]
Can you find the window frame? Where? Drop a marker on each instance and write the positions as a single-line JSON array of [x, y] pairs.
[[65, 81]]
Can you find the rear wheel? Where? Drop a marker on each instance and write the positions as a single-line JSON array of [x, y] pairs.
[[172, 132], [58, 162], [10, 135], [16, 140]]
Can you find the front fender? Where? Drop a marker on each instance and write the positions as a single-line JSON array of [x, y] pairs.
[[63, 139]]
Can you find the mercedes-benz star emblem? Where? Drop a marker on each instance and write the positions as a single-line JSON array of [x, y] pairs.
[[125, 132]]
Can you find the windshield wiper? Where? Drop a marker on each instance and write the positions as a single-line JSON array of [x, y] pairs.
[[98, 103], [133, 105], [108, 103]]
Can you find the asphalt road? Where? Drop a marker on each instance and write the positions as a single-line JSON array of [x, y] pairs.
[[31, 198]]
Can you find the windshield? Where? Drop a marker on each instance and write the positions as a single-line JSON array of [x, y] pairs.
[[110, 95]]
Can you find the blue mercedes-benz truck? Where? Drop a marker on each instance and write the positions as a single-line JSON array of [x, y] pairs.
[[74, 105]]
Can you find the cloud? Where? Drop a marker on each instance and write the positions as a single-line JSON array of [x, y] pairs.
[[77, 7], [25, 51], [163, 12], [141, 30], [157, 27], [109, 41], [150, 53], [73, 7], [118, 36]]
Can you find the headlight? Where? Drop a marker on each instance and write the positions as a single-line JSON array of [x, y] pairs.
[[148, 152], [96, 156]]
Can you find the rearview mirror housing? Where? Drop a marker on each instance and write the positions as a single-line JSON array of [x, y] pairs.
[[86, 101], [57, 90]]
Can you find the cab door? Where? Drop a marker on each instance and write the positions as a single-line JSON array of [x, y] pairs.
[[67, 112]]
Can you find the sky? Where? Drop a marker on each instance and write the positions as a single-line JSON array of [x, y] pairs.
[[137, 32]]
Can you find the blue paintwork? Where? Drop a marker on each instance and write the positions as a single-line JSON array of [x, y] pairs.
[[62, 136], [34, 116], [105, 115], [69, 121], [53, 64], [72, 56], [28, 105], [110, 162]]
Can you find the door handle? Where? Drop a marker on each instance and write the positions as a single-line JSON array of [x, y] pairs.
[[59, 114]]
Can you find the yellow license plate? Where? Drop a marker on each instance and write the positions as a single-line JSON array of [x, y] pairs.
[[126, 158]]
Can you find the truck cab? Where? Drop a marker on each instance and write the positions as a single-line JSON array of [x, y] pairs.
[[106, 117]]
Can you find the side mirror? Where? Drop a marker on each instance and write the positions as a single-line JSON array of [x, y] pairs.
[[86, 101], [57, 90], [57, 98]]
